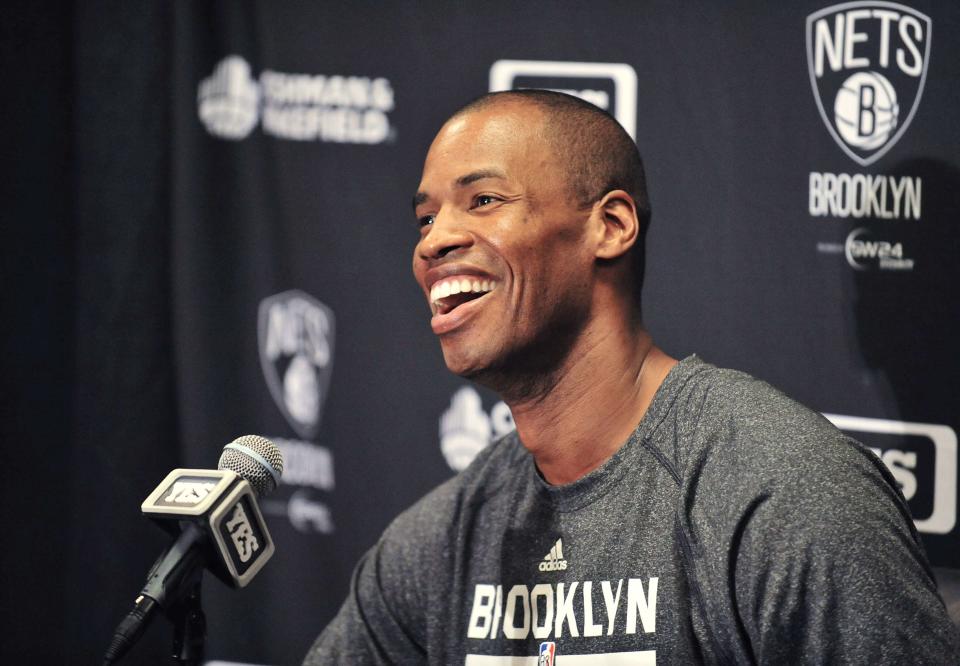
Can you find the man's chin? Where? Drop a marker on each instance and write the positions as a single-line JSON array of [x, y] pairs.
[[461, 362]]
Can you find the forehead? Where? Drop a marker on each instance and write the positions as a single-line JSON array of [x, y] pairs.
[[506, 135]]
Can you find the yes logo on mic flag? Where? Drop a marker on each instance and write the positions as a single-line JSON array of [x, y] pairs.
[[296, 334], [224, 504], [868, 63]]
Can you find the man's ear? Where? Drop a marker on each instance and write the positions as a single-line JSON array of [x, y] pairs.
[[615, 221]]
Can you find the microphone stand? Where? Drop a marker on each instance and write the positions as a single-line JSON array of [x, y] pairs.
[[173, 585], [189, 626]]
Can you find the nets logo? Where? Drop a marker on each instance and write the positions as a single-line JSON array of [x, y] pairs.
[[296, 333], [296, 342], [922, 457], [868, 64], [611, 86]]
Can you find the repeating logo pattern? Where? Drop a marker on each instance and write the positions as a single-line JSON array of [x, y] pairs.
[[242, 535], [922, 457], [466, 428], [611, 86], [229, 100], [296, 335], [864, 252], [295, 106], [868, 65]]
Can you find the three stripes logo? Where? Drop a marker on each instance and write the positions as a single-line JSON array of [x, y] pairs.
[[554, 561]]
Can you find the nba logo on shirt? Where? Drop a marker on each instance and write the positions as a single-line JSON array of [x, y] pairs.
[[548, 651]]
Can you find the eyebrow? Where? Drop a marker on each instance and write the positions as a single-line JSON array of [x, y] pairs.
[[463, 181]]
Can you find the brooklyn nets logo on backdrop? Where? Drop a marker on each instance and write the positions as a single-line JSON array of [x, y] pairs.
[[296, 333], [868, 64]]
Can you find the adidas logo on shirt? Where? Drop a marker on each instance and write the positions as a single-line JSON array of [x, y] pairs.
[[553, 561]]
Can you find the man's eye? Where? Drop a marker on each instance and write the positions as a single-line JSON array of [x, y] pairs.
[[425, 220], [483, 200]]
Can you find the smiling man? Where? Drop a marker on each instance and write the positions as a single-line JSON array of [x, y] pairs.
[[645, 510]]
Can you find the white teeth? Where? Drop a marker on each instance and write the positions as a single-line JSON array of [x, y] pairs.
[[460, 286]]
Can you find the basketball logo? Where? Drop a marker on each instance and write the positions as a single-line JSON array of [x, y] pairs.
[[296, 333], [870, 59], [866, 110]]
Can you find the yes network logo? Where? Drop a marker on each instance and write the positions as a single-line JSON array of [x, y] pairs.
[[295, 333], [868, 64], [922, 457], [611, 86]]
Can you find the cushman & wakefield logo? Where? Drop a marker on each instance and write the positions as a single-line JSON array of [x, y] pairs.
[[466, 428], [868, 65], [611, 86], [295, 106]]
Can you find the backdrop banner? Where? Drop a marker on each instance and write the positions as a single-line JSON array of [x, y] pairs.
[[805, 191]]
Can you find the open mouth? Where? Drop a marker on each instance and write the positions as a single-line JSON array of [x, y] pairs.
[[450, 293]]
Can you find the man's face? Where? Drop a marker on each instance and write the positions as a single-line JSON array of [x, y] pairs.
[[501, 257]]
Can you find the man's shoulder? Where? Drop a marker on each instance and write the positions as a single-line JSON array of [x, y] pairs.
[[733, 390], [731, 403], [746, 441], [728, 426]]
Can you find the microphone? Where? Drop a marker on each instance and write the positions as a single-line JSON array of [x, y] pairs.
[[216, 524]]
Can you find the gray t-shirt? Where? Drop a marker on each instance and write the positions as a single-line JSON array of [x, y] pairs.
[[735, 526]]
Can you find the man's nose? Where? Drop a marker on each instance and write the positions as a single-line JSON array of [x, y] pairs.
[[447, 234]]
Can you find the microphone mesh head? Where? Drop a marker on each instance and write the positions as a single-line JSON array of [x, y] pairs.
[[256, 459]]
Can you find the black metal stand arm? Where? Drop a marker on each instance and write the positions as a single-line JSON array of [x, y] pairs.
[[189, 627]]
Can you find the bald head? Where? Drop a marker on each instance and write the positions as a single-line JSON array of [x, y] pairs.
[[594, 151]]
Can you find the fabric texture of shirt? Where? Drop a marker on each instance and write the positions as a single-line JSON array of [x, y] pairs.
[[734, 526]]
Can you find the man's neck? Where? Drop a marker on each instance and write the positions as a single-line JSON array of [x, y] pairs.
[[594, 402]]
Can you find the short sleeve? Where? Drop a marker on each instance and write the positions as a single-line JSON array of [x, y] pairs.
[[802, 548], [383, 619], [829, 570]]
